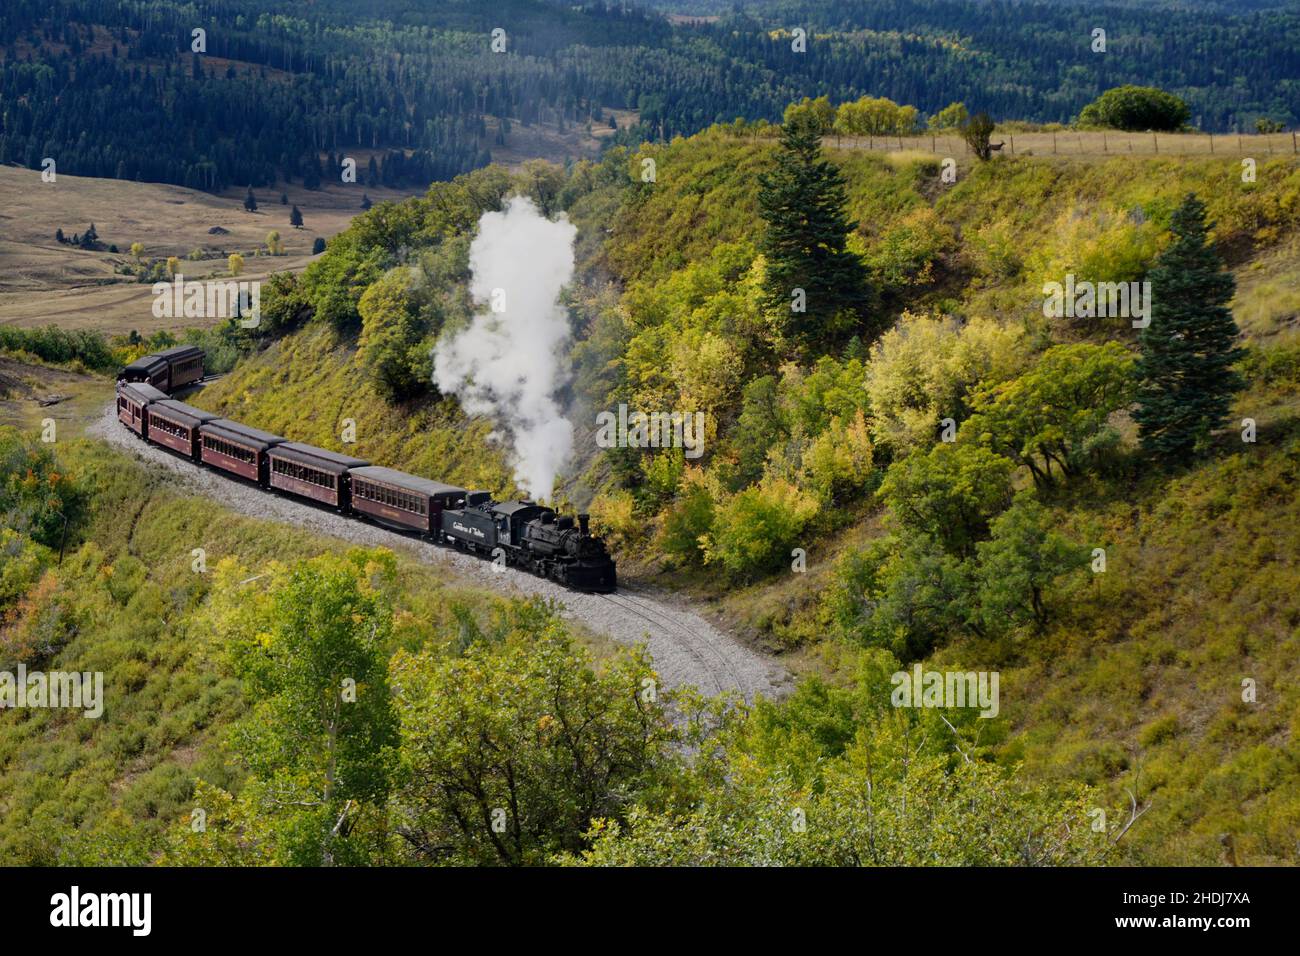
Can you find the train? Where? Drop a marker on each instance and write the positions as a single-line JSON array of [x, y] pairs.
[[521, 534]]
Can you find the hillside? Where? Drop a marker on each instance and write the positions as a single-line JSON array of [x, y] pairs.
[[1133, 683]]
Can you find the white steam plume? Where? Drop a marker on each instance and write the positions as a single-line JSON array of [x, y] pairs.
[[507, 363]]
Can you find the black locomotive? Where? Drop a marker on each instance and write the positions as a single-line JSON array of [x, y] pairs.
[[531, 536], [521, 534]]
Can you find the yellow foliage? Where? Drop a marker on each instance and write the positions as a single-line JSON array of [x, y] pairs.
[[926, 369], [839, 459]]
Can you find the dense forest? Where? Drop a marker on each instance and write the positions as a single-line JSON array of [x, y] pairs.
[[281, 89]]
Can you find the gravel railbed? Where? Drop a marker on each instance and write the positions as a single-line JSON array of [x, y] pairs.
[[687, 650]]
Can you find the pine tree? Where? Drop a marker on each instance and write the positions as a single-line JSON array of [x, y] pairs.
[[250, 201], [295, 218], [365, 201], [802, 201], [1186, 378]]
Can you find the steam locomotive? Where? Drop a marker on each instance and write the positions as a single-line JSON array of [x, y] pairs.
[[521, 534], [532, 537]]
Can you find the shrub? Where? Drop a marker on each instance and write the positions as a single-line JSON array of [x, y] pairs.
[[614, 517], [926, 369], [838, 463], [685, 525], [754, 531], [1136, 108]]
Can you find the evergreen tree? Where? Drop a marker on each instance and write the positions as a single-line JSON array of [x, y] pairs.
[[802, 201], [295, 218], [365, 201], [250, 201], [1186, 378]]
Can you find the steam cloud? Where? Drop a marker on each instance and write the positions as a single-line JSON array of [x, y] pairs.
[[506, 364]]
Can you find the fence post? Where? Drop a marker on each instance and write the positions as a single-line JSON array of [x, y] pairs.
[[1156, 141], [1053, 142], [1211, 144], [1013, 144], [1293, 146], [1103, 142]]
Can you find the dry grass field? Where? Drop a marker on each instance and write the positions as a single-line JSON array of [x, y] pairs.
[[43, 282]]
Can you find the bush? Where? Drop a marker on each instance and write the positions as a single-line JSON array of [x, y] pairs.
[[927, 369], [36, 497], [1020, 562], [685, 525], [1136, 108], [907, 596], [614, 518], [754, 531], [838, 463]]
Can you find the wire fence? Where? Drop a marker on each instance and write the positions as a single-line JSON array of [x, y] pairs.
[[1089, 144]]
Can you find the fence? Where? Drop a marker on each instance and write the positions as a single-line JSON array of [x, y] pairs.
[[1088, 144]]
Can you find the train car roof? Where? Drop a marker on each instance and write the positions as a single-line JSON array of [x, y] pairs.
[[511, 508], [317, 457], [402, 480], [179, 352], [234, 431], [188, 414], [144, 364], [142, 391]]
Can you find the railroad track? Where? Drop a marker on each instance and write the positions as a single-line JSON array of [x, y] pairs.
[[696, 644]]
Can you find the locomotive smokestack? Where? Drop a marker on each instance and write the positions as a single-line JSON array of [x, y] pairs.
[[582, 524]]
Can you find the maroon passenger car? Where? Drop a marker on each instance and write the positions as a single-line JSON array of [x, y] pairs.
[[133, 401], [236, 448], [176, 426], [168, 370], [400, 500], [312, 472]]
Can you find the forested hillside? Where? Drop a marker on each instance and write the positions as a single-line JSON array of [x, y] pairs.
[[280, 91], [979, 552]]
